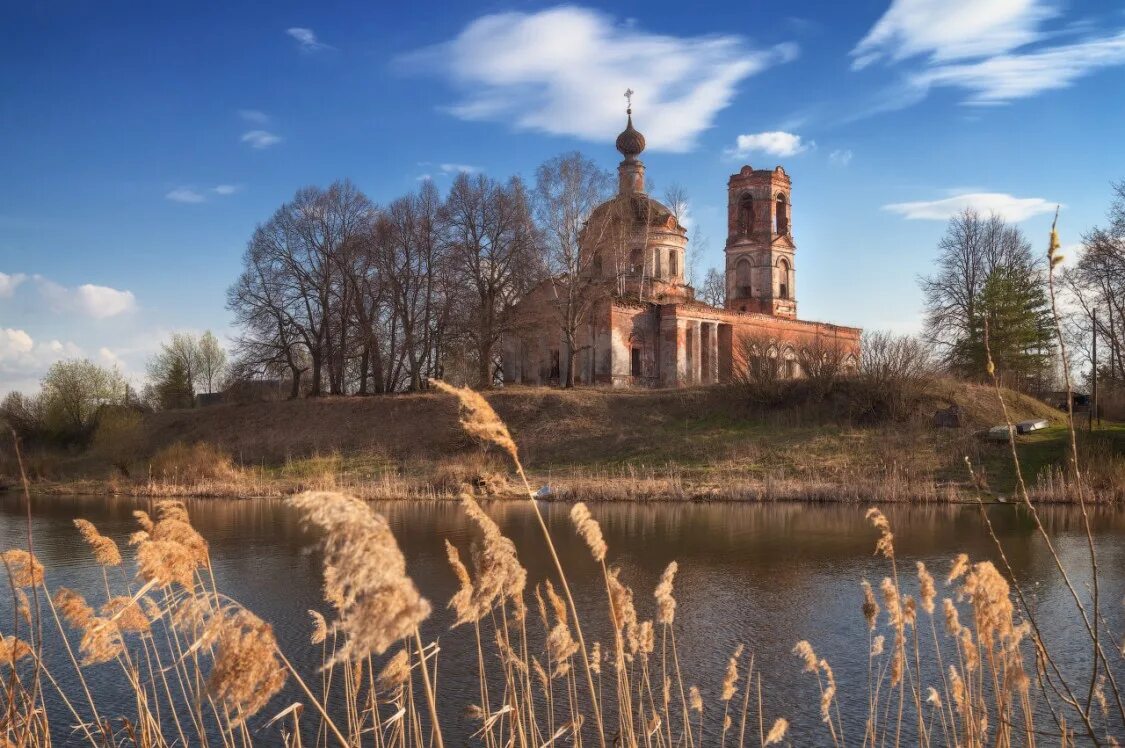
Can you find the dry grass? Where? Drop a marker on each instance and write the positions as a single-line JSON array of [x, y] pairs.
[[702, 443]]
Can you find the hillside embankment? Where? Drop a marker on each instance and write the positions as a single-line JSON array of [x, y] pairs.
[[709, 443]]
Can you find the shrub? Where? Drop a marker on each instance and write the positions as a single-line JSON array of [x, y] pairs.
[[118, 436], [191, 463]]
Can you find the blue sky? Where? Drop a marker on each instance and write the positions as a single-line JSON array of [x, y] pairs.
[[142, 142]]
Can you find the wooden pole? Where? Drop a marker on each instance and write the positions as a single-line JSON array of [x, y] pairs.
[[1094, 402]]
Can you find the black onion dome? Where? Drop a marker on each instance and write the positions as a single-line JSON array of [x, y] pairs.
[[630, 142]]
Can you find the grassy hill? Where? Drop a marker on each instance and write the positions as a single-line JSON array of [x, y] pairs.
[[593, 443]]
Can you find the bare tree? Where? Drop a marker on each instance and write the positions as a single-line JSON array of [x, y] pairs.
[[412, 248], [212, 362], [1096, 284], [714, 288], [971, 249], [492, 254], [567, 190]]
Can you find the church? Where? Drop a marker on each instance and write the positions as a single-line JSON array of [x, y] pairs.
[[633, 320]]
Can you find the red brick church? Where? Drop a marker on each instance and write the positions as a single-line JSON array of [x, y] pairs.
[[643, 325]]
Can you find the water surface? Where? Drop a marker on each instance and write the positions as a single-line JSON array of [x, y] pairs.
[[764, 575]]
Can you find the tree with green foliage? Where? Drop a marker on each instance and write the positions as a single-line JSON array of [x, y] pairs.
[[73, 392], [1020, 334], [173, 388]]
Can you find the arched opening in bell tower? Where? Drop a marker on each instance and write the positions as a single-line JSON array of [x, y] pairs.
[[746, 214], [781, 215]]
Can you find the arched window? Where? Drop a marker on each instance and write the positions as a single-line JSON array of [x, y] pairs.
[[597, 265], [742, 279], [782, 278], [746, 214], [673, 271], [781, 218], [635, 261]]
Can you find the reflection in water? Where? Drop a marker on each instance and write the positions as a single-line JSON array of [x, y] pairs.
[[764, 575]]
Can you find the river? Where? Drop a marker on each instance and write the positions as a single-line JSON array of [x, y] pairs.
[[763, 575]]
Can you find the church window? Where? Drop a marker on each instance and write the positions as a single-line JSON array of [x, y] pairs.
[[635, 362], [746, 214], [781, 217], [783, 279], [672, 269], [597, 265], [635, 261], [742, 279]]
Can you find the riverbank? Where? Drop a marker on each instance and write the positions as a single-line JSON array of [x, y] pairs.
[[693, 444]]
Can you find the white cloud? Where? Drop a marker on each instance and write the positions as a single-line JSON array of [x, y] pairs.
[[775, 143], [254, 116], [9, 283], [190, 195], [98, 302], [1000, 79], [1009, 207], [14, 343], [185, 195], [991, 49], [951, 29], [840, 157], [260, 139], [102, 301], [23, 361], [306, 39], [460, 169], [563, 71]]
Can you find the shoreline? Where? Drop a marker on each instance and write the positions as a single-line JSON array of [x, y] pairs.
[[579, 489]]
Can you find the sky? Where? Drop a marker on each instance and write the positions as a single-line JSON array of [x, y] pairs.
[[142, 142]]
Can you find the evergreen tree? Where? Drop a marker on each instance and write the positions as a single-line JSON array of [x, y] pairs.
[[1014, 306], [174, 389]]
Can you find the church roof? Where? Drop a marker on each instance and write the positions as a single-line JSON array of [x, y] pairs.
[[640, 208]]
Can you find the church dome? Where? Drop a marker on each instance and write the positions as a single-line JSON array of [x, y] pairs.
[[639, 209], [630, 142]]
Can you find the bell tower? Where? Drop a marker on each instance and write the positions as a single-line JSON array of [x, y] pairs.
[[761, 276]]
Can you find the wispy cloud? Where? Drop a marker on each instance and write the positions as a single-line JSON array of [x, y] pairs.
[[1003, 78], [306, 39], [840, 157], [260, 139], [951, 29], [459, 169], [1007, 206], [563, 71], [9, 283], [993, 50], [192, 196], [254, 116], [774, 143], [90, 300], [185, 195]]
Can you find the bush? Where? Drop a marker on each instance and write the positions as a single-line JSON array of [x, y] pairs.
[[118, 436], [191, 463], [897, 370]]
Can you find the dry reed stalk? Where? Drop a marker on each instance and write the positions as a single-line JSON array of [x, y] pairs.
[[377, 604], [105, 549], [479, 420], [245, 674]]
